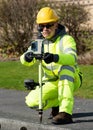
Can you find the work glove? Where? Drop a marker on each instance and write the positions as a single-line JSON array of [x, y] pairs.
[[29, 56], [48, 58]]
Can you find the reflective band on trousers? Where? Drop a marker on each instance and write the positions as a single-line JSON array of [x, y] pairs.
[[62, 77]]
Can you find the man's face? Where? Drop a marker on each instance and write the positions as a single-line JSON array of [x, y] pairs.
[[48, 29]]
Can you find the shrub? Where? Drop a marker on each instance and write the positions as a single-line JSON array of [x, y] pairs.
[[17, 19]]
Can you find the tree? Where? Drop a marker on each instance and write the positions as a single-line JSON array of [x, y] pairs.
[[17, 19], [75, 17]]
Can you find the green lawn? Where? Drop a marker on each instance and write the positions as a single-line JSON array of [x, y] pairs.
[[86, 90], [13, 73]]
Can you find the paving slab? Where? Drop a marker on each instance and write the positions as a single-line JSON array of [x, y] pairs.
[[15, 115]]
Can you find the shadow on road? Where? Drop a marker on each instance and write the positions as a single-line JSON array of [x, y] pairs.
[[81, 117], [78, 115]]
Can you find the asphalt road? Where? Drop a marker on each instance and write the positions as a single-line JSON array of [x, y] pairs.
[[15, 115]]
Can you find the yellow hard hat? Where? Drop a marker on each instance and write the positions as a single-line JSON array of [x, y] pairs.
[[46, 15]]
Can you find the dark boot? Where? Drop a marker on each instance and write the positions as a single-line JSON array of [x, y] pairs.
[[54, 112], [62, 118]]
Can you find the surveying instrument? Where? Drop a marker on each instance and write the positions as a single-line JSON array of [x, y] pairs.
[[38, 51]]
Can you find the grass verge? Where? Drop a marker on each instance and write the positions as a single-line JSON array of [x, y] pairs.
[[13, 73]]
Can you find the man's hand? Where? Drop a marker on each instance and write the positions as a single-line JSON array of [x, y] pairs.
[[29, 56], [48, 58]]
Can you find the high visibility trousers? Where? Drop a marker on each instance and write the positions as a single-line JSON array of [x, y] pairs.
[[57, 93], [69, 81]]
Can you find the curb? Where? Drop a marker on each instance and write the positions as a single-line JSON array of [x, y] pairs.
[[9, 124]]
